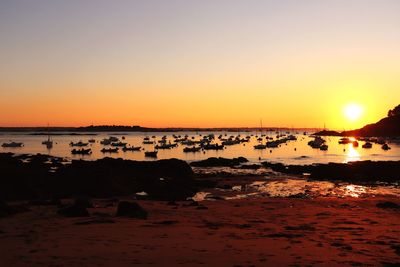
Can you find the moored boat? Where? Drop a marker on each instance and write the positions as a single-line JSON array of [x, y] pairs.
[[109, 150], [80, 144], [151, 154], [12, 144], [131, 148], [81, 151]]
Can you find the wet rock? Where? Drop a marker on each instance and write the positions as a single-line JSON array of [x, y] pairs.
[[83, 201], [100, 178], [131, 210], [388, 205], [45, 202], [73, 211], [219, 162], [6, 210]]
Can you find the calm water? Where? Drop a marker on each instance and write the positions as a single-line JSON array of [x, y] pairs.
[[292, 152]]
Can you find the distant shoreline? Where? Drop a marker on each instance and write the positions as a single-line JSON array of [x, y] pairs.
[[106, 128]]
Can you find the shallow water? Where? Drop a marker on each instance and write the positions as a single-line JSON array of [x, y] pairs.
[[293, 152], [302, 188]]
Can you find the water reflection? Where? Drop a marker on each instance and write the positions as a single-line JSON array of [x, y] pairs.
[[296, 187], [352, 154]]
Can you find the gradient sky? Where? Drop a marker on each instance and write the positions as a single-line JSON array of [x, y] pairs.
[[198, 63]]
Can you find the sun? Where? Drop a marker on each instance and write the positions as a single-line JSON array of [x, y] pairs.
[[353, 111]]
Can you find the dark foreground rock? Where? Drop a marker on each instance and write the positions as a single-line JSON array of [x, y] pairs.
[[6, 210], [358, 171], [388, 205], [73, 211], [170, 179], [219, 162], [131, 210]]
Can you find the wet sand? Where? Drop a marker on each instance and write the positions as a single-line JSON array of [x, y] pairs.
[[259, 231]]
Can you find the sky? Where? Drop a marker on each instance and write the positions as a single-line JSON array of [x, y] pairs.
[[209, 63]]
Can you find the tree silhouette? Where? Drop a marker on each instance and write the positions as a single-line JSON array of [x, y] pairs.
[[394, 112]]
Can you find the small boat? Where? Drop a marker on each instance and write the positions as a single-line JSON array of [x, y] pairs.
[[109, 150], [260, 146], [385, 147], [213, 147], [367, 145], [131, 148], [344, 141], [92, 141], [191, 149], [120, 144], [80, 144], [12, 144], [165, 146], [355, 144], [113, 139], [148, 142], [105, 142], [48, 142], [81, 151], [323, 147], [317, 142], [151, 154]]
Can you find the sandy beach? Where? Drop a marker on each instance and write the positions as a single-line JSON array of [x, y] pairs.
[[245, 232]]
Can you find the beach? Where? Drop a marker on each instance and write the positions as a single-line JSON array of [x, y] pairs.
[[244, 232]]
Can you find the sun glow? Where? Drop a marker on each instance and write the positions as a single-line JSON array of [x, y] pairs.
[[353, 112]]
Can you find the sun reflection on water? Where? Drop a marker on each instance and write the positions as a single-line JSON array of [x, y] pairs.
[[352, 154]]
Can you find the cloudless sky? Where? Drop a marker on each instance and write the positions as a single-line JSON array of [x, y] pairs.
[[203, 63]]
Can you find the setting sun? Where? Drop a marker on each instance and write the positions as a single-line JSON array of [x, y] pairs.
[[353, 112]]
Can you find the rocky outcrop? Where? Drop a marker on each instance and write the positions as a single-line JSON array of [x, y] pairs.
[[219, 162], [170, 179], [131, 210]]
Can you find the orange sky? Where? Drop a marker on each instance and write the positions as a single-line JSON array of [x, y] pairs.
[[205, 64]]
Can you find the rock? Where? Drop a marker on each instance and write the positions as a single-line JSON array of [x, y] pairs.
[[29, 177], [219, 162], [131, 210], [83, 201], [6, 210], [73, 211], [388, 205]]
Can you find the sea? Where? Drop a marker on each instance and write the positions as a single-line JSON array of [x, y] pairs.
[[291, 152]]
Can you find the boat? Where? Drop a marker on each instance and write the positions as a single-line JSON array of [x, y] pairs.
[[165, 146], [345, 141], [113, 139], [191, 149], [355, 144], [80, 144], [92, 141], [317, 142], [120, 144], [12, 144], [385, 147], [48, 142], [213, 147], [105, 142], [367, 145], [148, 142], [131, 148], [109, 150], [151, 154], [81, 151], [324, 147], [260, 146]]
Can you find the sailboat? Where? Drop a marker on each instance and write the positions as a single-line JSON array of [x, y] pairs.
[[48, 142]]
